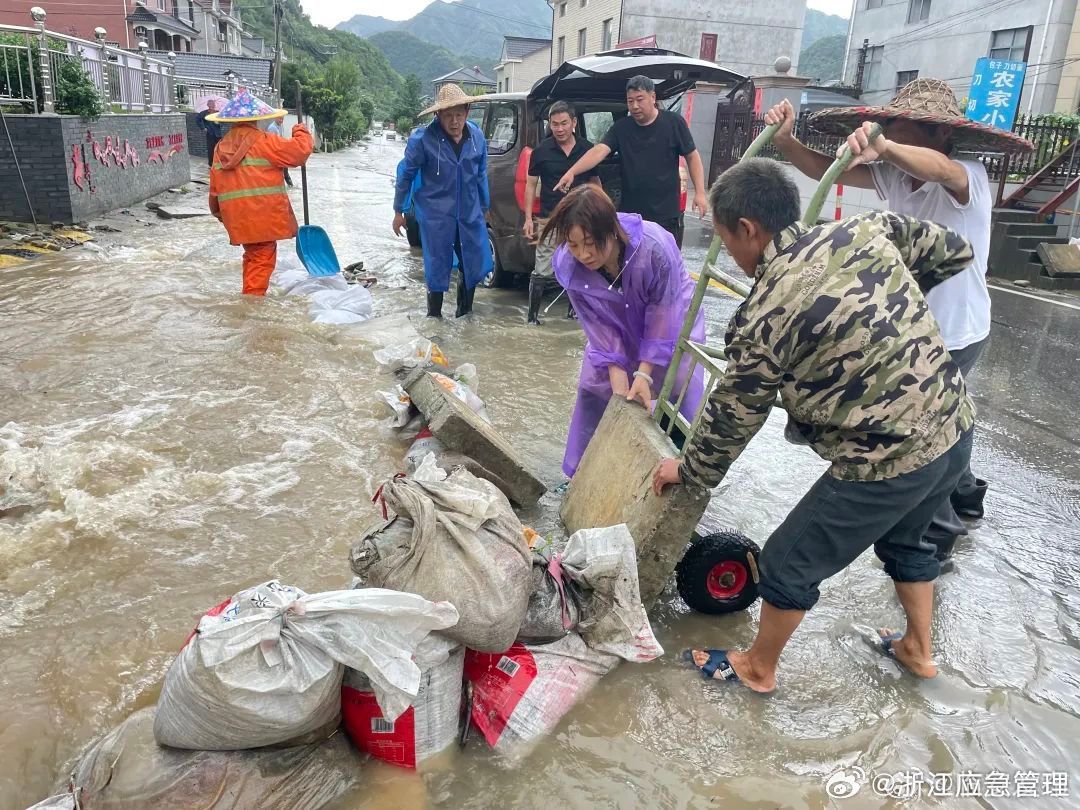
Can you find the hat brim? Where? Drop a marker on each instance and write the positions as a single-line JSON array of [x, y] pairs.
[[967, 135], [218, 119], [446, 105]]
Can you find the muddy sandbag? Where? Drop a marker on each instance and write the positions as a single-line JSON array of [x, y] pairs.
[[266, 667], [128, 770], [453, 540], [433, 722], [520, 695], [556, 605]]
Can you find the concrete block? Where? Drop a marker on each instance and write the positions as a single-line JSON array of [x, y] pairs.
[[1060, 260], [178, 212], [613, 484], [460, 430]]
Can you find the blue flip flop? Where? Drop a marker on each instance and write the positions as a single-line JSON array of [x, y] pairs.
[[718, 662], [888, 641]]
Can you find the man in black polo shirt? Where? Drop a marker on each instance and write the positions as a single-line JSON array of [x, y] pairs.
[[649, 141], [548, 164]]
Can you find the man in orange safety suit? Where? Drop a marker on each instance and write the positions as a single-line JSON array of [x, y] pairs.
[[247, 184]]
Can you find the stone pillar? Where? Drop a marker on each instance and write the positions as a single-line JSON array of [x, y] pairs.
[[147, 97], [171, 102], [38, 15], [776, 87], [100, 34]]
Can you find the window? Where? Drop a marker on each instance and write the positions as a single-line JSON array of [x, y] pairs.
[[501, 131], [904, 77], [605, 36], [581, 42], [562, 9], [708, 47], [873, 4], [918, 11], [562, 50], [872, 73], [597, 124], [1010, 45], [477, 112]]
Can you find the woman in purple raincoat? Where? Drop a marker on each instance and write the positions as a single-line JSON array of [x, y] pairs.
[[626, 279]]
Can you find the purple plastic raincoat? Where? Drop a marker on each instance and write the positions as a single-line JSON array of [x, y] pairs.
[[623, 327]]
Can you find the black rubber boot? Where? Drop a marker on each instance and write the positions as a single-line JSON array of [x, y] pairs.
[[434, 304], [970, 505], [944, 553], [464, 299], [536, 297]]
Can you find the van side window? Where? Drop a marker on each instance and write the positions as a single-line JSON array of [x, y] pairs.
[[597, 124], [476, 114], [501, 129]]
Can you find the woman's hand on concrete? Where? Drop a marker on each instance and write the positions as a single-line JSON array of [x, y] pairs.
[[640, 393]]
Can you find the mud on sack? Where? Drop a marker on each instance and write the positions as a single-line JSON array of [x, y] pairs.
[[454, 540], [127, 770], [265, 668], [433, 722]]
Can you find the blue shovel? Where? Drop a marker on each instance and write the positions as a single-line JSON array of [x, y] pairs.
[[313, 245]]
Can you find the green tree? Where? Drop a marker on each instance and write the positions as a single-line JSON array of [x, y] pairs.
[[76, 94], [409, 102]]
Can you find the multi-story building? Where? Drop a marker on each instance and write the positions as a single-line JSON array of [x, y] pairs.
[[523, 62], [220, 29], [746, 37], [942, 39], [167, 25]]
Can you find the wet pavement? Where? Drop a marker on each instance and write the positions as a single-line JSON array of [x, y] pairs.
[[165, 442]]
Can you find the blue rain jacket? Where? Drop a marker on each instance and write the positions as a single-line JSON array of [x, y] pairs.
[[450, 202]]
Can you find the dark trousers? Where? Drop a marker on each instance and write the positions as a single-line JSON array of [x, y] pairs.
[[675, 227], [946, 525], [836, 521], [211, 144]]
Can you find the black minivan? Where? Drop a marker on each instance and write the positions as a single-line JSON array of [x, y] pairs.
[[514, 123]]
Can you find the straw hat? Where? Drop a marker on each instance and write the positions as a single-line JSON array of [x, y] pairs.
[[450, 95], [245, 107], [926, 101]]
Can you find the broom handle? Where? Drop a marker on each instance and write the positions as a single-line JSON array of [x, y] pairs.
[[303, 166]]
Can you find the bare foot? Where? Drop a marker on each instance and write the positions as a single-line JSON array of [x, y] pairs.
[[759, 682], [902, 651]]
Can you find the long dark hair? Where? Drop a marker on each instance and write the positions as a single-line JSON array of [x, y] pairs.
[[590, 209]]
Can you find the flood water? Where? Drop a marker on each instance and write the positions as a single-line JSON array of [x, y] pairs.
[[165, 442]]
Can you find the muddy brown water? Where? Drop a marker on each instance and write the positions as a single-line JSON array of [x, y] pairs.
[[165, 442]]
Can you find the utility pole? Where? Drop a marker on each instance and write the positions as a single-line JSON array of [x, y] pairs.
[[277, 47], [861, 67]]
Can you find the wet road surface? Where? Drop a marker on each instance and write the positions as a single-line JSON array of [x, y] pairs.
[[165, 442]]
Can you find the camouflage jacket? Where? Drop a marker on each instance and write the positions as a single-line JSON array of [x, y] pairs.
[[837, 323]]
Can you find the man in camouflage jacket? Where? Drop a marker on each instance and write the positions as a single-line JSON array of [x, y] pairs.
[[837, 324]]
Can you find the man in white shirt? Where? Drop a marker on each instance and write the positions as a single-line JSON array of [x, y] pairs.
[[911, 169]]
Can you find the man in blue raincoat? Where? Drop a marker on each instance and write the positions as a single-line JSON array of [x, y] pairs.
[[450, 155]]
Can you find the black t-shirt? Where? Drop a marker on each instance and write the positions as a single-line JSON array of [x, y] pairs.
[[550, 163], [650, 163]]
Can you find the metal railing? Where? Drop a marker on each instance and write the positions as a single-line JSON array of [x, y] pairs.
[[32, 57]]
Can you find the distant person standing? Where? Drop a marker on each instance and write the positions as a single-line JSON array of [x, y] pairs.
[[212, 129], [649, 141], [547, 165], [275, 129]]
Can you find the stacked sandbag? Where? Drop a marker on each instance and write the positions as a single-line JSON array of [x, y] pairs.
[[351, 305], [519, 696], [458, 540], [592, 587], [266, 667], [128, 770], [431, 725]]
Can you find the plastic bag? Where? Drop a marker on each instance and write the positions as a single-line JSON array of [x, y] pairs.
[[556, 605], [337, 317], [519, 696], [355, 299], [313, 284], [431, 725], [267, 669], [126, 769], [423, 445], [463, 544], [400, 405], [464, 393], [416, 353], [287, 278]]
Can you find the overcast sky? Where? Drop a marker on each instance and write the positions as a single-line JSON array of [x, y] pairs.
[[331, 12]]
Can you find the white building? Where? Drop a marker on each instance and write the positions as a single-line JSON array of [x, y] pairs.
[[744, 36], [942, 39], [221, 31], [523, 62]]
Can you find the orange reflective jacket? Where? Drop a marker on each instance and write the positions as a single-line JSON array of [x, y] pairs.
[[247, 185]]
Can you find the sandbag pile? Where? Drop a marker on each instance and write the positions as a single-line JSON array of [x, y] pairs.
[[332, 299]]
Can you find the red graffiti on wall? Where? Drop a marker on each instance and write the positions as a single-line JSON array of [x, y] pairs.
[[158, 157], [120, 154], [81, 169]]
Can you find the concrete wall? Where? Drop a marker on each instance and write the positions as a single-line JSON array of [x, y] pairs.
[[77, 169], [1068, 94], [955, 35], [750, 36]]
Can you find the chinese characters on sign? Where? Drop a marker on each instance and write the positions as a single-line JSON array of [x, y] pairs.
[[995, 92]]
